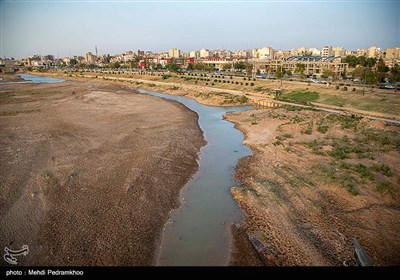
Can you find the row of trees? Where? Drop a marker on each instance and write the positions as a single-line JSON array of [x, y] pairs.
[[354, 61]]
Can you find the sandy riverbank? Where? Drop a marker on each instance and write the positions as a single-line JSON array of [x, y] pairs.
[[202, 94], [90, 171], [316, 181]]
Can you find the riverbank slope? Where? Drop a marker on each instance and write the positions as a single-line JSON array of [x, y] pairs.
[[316, 180]]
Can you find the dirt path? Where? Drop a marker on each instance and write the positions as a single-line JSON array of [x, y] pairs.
[[89, 171]]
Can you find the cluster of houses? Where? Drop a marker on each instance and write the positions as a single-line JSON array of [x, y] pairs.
[[264, 60]]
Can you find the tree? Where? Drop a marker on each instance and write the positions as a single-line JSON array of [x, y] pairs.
[[133, 64], [351, 60], [365, 74], [227, 66], [249, 68], [73, 62], [115, 65], [344, 74], [370, 62], [240, 65], [172, 67], [328, 73], [190, 66], [381, 70], [394, 74], [300, 67]]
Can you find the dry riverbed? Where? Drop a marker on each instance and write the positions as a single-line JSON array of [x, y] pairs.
[[90, 170]]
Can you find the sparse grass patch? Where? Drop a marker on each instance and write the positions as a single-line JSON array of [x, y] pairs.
[[363, 170], [383, 168], [352, 190], [300, 96], [322, 128], [382, 187]]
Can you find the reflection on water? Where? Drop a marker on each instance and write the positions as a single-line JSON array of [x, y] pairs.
[[37, 79], [198, 232]]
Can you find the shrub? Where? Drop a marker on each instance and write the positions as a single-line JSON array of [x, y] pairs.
[[277, 142], [354, 89], [337, 87], [344, 88], [251, 84], [246, 84]]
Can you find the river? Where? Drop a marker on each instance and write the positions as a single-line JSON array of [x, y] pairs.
[[198, 232]]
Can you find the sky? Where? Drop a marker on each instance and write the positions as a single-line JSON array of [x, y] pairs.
[[74, 27]]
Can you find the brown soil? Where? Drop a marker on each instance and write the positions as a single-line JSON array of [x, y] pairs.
[[305, 201], [90, 171]]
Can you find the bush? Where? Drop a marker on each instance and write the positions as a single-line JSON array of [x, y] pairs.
[[246, 84], [337, 87], [354, 89], [277, 142], [251, 84], [344, 88]]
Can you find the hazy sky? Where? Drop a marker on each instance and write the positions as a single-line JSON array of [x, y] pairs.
[[55, 27]]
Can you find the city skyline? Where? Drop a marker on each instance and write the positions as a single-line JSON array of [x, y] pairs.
[[73, 28]]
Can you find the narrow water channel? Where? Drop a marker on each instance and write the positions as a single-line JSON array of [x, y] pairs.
[[198, 232]]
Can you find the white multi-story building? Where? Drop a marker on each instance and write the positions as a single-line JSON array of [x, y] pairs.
[[204, 53], [195, 54], [298, 51], [175, 53], [339, 51], [263, 53], [361, 52], [314, 52], [327, 51]]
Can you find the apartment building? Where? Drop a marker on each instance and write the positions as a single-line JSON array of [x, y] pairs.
[[174, 53], [327, 51]]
